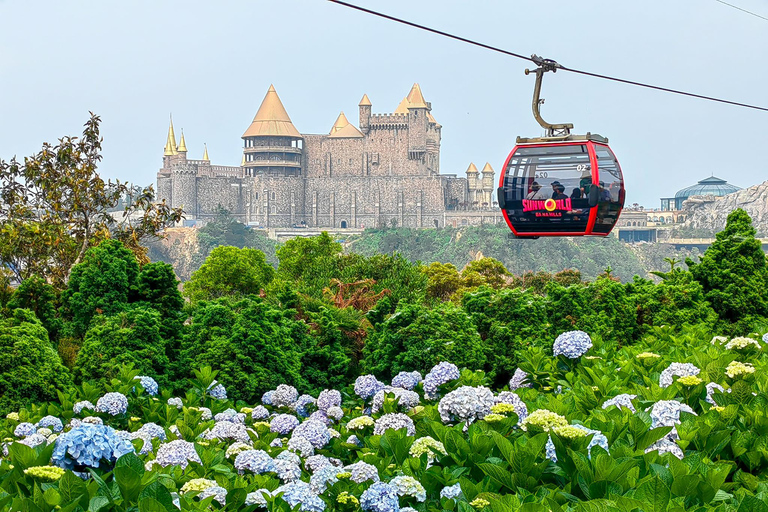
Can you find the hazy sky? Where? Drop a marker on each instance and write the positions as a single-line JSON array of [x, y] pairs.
[[210, 64]]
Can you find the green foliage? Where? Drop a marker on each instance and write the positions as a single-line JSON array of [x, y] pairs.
[[309, 263], [224, 229], [103, 284], [41, 298], [128, 337], [676, 301], [417, 338], [254, 346], [229, 271], [30, 368], [734, 274]]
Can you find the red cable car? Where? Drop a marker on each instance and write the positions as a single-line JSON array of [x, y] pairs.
[[561, 184]]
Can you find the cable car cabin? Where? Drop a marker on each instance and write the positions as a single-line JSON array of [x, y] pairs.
[[571, 187]]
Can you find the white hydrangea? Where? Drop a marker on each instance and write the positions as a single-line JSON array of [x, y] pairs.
[[676, 370], [409, 486], [741, 343], [466, 404]]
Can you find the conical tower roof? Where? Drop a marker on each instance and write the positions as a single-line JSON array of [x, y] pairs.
[[343, 129], [365, 102], [472, 169], [272, 119], [415, 98], [170, 144], [205, 153], [182, 143], [487, 169]]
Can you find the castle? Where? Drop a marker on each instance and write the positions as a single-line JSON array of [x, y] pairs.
[[384, 172]]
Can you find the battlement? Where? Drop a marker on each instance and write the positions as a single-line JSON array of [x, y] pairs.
[[389, 121]]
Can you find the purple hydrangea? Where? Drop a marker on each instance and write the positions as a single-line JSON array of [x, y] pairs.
[[177, 453], [508, 397], [440, 374], [313, 431], [34, 440], [301, 445], [572, 344], [259, 413], [287, 470], [283, 424], [83, 404], [217, 391], [328, 398], [300, 405], [300, 493], [230, 415], [380, 497], [362, 471], [394, 421], [677, 370], [519, 380], [406, 380], [90, 446], [406, 399], [284, 396], [320, 416], [113, 404], [466, 404], [367, 385], [152, 430], [51, 422], [228, 431], [323, 477], [315, 462], [149, 384], [24, 429], [255, 461]]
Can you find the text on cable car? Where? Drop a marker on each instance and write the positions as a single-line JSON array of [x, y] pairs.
[[549, 205]]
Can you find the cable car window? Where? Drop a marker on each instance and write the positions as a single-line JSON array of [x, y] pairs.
[[611, 197], [535, 175]]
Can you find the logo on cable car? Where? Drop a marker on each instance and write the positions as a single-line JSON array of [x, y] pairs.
[[549, 206]]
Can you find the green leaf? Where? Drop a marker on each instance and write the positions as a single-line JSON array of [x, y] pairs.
[[52, 497], [752, 504], [685, 485], [22, 456], [72, 488], [159, 493], [655, 494], [499, 475], [97, 503], [128, 473]]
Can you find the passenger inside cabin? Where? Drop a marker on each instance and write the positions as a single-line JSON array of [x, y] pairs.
[[536, 192], [559, 193]]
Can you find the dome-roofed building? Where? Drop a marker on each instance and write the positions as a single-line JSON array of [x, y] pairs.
[[711, 186]]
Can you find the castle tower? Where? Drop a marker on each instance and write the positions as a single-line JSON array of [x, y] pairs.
[[472, 183], [343, 129], [272, 145], [205, 153], [170, 147], [488, 182], [417, 110], [365, 114], [182, 147]]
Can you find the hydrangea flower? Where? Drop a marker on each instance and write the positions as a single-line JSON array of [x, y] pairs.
[[719, 340], [93, 420], [266, 398], [406, 380], [737, 369], [287, 470], [149, 384], [466, 404], [33, 440], [153, 430], [334, 413], [394, 421], [689, 380], [257, 497], [315, 462], [360, 423], [440, 374], [321, 416], [765, 338], [666, 445], [647, 355], [24, 429], [510, 398], [217, 391], [230, 415], [313, 431], [205, 413], [322, 478], [83, 404], [519, 380], [543, 420], [353, 440], [711, 387], [666, 413], [237, 448], [227, 431], [284, 396], [301, 445], [300, 406], [598, 438], [45, 473], [409, 486], [328, 398], [44, 431], [176, 402], [197, 485], [742, 342], [406, 399], [572, 344], [255, 461], [259, 413], [380, 497], [177, 453], [367, 385], [622, 400], [451, 492], [426, 445], [113, 404], [219, 494], [51, 422], [676, 370], [300, 493], [89, 445], [362, 471], [549, 450]]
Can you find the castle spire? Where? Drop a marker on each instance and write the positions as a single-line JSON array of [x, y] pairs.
[[182, 143], [472, 169], [415, 98], [170, 144], [205, 153], [343, 129], [365, 102], [272, 119], [242, 162], [340, 123]]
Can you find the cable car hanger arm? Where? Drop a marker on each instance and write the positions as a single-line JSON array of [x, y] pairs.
[[553, 130]]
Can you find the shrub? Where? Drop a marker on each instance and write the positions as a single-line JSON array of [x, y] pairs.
[[229, 271]]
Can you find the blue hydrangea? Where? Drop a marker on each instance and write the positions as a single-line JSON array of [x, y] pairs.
[[451, 492], [315, 462], [598, 439], [266, 398], [217, 391], [230, 415], [152, 430], [84, 404], [394, 421], [765, 338], [321, 416], [283, 424], [466, 404], [572, 344], [113, 404], [300, 405], [328, 398], [323, 477], [313, 431], [51, 422], [406, 380], [219, 494], [228, 431], [255, 461], [549, 450], [259, 413], [300, 493], [287, 470], [362, 471], [367, 385], [89, 445], [354, 440], [440, 374], [24, 429], [33, 440], [519, 380], [406, 399], [380, 497], [622, 400], [149, 384], [177, 453], [284, 396], [333, 413], [301, 445]]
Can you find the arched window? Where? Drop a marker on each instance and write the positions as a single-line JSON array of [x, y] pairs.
[[343, 224], [437, 223], [273, 196]]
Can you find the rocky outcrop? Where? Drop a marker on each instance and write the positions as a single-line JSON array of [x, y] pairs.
[[710, 212]]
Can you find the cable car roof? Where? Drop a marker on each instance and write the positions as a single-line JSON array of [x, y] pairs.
[[565, 138]]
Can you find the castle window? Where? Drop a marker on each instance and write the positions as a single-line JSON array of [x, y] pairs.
[[274, 210], [273, 196], [343, 224], [256, 196]]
